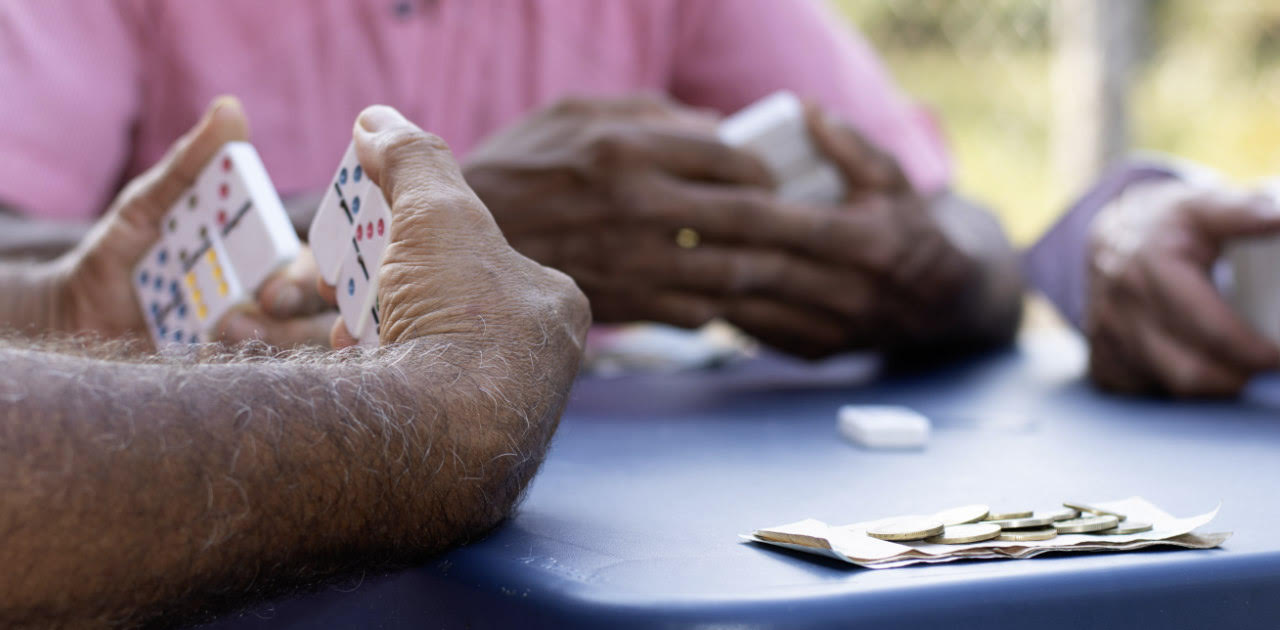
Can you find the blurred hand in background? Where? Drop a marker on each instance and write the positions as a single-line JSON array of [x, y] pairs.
[[1155, 321]]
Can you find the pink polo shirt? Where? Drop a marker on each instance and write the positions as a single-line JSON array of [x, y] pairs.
[[94, 91]]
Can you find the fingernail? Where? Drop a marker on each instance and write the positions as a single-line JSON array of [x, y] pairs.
[[377, 118], [287, 301], [222, 105]]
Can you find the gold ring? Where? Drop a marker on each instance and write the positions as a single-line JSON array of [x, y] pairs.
[[688, 238]]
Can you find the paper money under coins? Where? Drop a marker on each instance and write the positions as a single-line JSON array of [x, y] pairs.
[[852, 544]]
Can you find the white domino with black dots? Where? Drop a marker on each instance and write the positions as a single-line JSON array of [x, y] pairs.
[[348, 236], [222, 238]]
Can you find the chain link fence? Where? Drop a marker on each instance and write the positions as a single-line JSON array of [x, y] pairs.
[[1036, 95]]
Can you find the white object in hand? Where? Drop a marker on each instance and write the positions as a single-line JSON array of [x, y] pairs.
[[1255, 282], [348, 237], [883, 426], [774, 129], [218, 243]]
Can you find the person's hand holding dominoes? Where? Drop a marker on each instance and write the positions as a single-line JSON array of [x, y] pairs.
[[1155, 321], [180, 255], [441, 266], [98, 277], [658, 218], [189, 475]]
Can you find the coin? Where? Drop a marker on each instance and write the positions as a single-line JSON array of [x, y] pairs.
[[965, 533], [794, 539], [1086, 524], [1127, 527], [1035, 520], [1004, 516], [963, 514], [1063, 514], [907, 528], [1025, 535], [1085, 507]]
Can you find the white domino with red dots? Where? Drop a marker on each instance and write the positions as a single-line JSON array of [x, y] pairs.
[[348, 237], [218, 243]]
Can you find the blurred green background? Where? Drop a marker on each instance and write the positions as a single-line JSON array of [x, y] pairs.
[[1206, 86]]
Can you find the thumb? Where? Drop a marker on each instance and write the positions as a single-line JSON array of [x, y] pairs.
[[404, 160], [163, 184], [1223, 215]]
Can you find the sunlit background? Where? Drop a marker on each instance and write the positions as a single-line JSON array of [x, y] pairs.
[[1006, 79]]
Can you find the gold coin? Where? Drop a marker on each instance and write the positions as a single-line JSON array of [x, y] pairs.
[[907, 528], [965, 533], [794, 539], [1086, 524], [1025, 535], [962, 514], [1085, 507], [1034, 520], [1063, 514], [1004, 516], [1127, 527]]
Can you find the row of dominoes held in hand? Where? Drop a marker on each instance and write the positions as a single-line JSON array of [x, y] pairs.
[[218, 243], [348, 236], [229, 232]]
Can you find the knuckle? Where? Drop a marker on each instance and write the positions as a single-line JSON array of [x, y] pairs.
[[554, 299], [607, 150]]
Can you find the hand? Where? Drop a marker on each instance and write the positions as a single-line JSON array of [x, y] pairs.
[[447, 270], [1155, 321], [600, 189], [288, 310], [940, 266], [96, 278]]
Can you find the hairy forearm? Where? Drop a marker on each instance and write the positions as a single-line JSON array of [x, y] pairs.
[[989, 310], [172, 487]]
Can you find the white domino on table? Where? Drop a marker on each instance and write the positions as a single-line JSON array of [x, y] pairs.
[[883, 426], [774, 129], [348, 237], [222, 238]]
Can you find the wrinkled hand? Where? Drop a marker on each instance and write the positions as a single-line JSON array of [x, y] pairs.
[[1155, 321], [447, 269], [96, 277], [926, 283], [599, 189], [96, 295]]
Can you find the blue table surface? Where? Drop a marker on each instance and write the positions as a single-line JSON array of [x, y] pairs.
[[634, 519]]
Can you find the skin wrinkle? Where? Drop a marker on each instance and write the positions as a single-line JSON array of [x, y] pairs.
[[397, 434], [192, 478]]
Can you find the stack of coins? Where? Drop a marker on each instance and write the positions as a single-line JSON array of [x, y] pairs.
[[1101, 521], [976, 523]]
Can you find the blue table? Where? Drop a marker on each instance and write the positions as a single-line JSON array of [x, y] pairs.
[[633, 521]]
